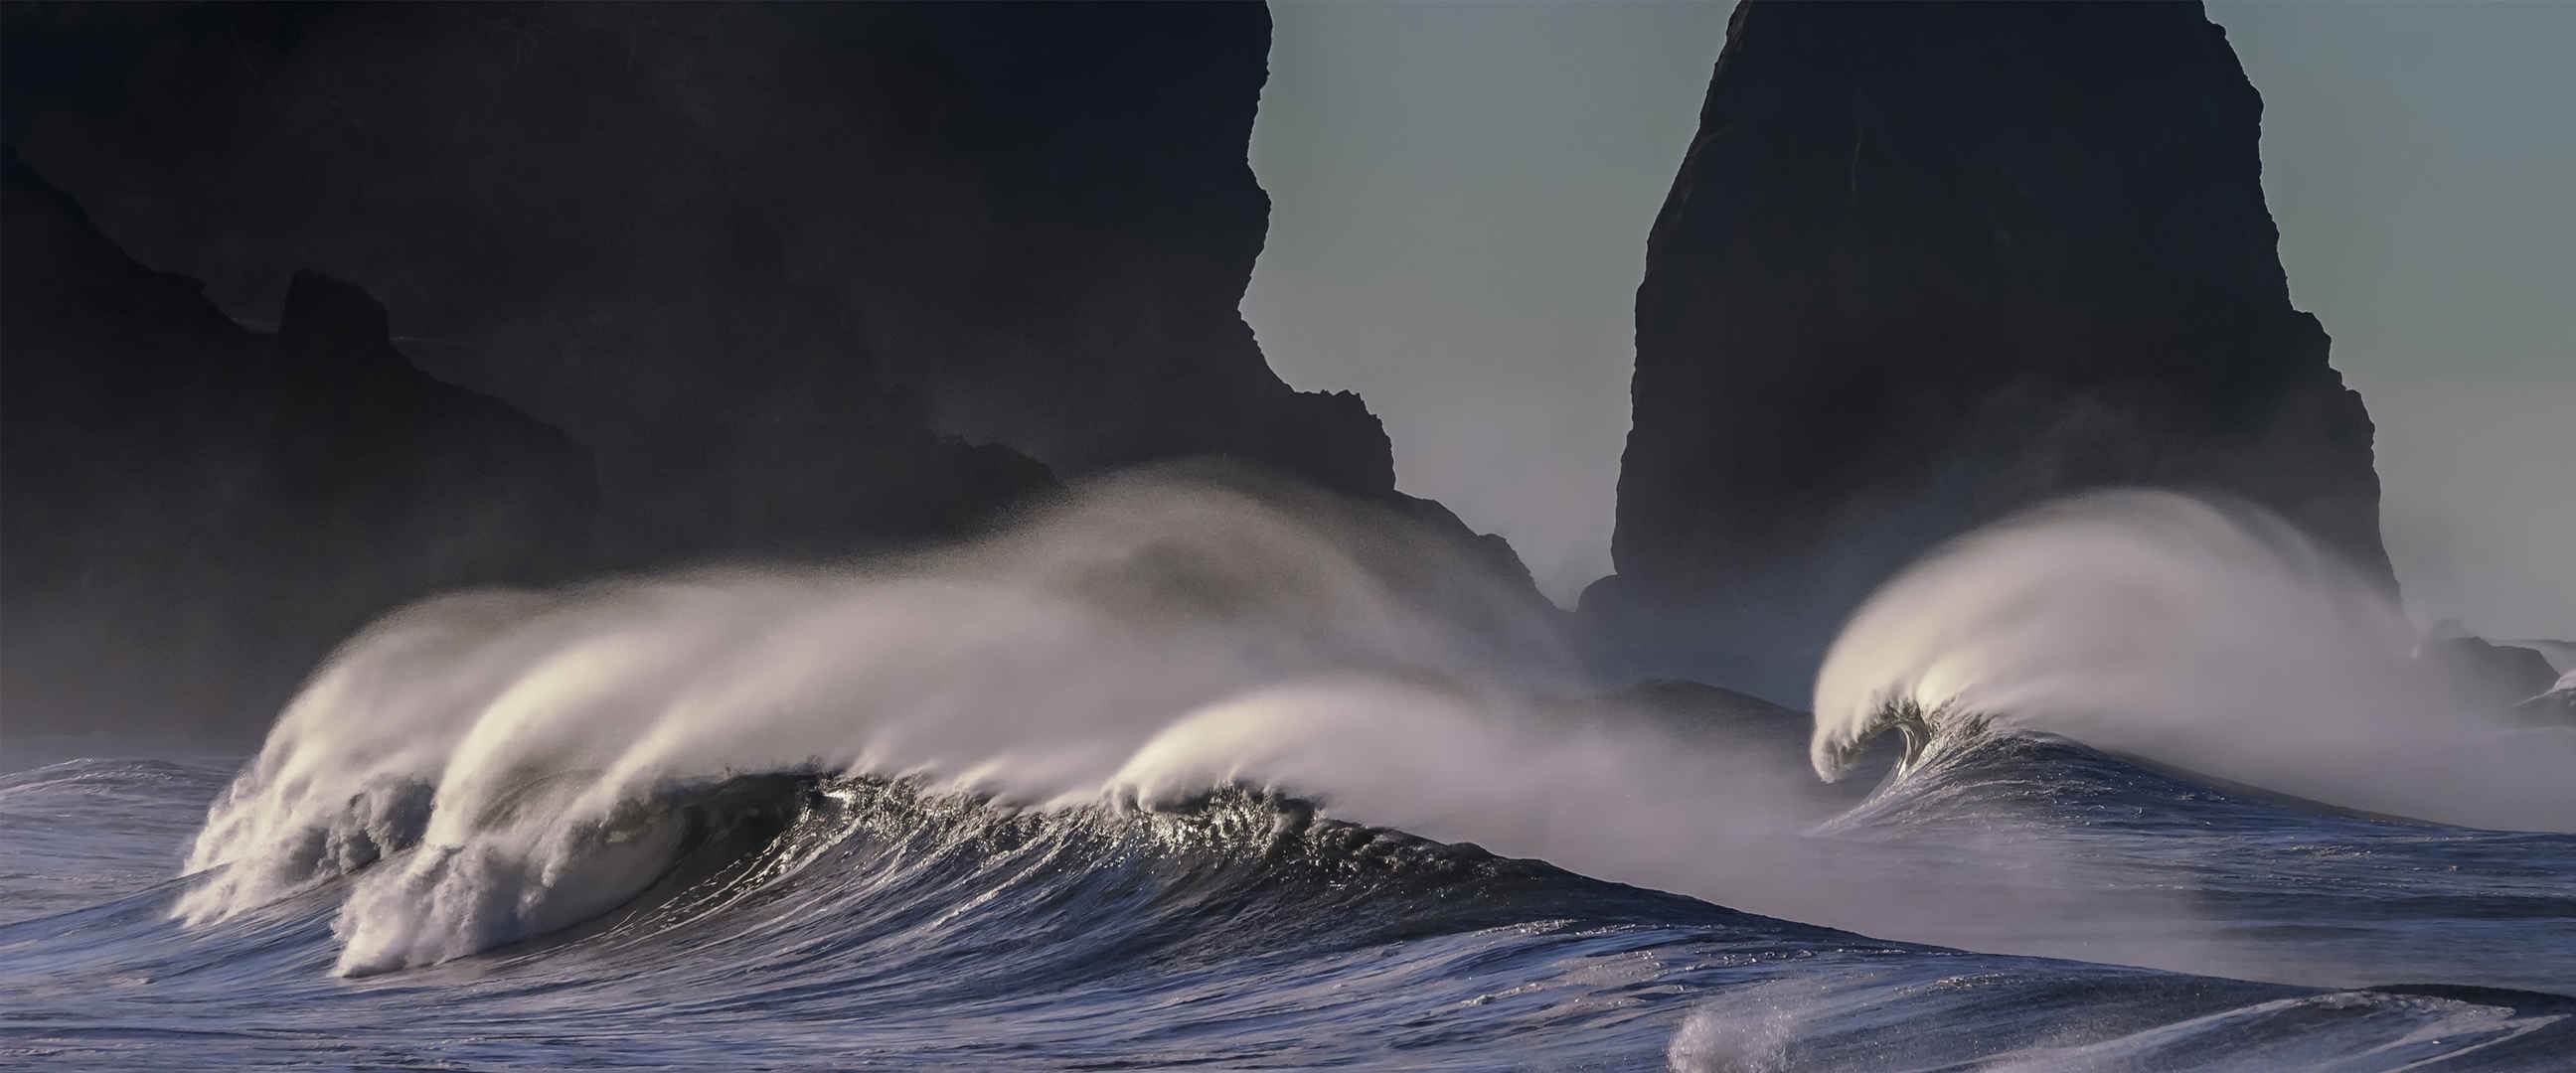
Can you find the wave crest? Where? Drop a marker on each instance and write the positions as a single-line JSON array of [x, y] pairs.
[[1923, 731], [511, 737], [2207, 635]]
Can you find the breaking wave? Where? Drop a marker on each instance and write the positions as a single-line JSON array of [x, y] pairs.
[[823, 919], [2206, 635], [1139, 646], [1183, 771], [489, 768]]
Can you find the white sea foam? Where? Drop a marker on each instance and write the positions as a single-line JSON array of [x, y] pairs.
[[1147, 641], [510, 758], [2211, 636], [503, 732]]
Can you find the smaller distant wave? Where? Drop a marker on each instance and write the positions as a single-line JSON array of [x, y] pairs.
[[2210, 636]]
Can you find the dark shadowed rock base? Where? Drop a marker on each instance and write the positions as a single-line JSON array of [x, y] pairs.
[[2482, 676]]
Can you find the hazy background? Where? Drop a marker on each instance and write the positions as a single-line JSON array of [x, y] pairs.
[[2420, 158], [1461, 194]]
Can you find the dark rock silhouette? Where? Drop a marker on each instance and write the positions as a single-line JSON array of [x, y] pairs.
[[195, 512], [809, 280], [1925, 264], [2483, 676], [734, 247], [2560, 654]]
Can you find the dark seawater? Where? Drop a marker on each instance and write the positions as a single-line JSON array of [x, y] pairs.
[[800, 920]]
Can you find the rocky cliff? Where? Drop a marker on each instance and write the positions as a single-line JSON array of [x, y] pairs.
[[1927, 263], [192, 512], [733, 247], [809, 280], [2482, 676]]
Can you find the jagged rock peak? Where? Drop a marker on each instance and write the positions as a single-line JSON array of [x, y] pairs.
[[1022, 225], [1925, 264], [196, 511]]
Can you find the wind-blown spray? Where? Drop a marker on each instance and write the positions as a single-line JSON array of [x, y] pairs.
[[2208, 635], [521, 738], [490, 767], [527, 755]]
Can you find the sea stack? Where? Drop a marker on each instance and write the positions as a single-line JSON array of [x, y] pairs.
[[1925, 264]]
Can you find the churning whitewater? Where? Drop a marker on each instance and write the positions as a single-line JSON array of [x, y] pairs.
[[1182, 772]]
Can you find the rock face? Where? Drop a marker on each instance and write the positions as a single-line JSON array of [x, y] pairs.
[[2556, 705], [808, 280], [735, 248], [1928, 263], [195, 512], [2481, 676]]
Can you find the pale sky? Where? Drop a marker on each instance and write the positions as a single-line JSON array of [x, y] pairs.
[[1461, 194]]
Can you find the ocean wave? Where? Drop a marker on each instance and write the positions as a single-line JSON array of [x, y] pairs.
[[1143, 644], [2207, 635], [490, 768], [808, 917], [2021, 1025]]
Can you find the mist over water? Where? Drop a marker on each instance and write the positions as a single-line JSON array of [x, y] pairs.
[[514, 733], [1188, 767], [1182, 738], [2208, 635], [1148, 642], [490, 767]]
